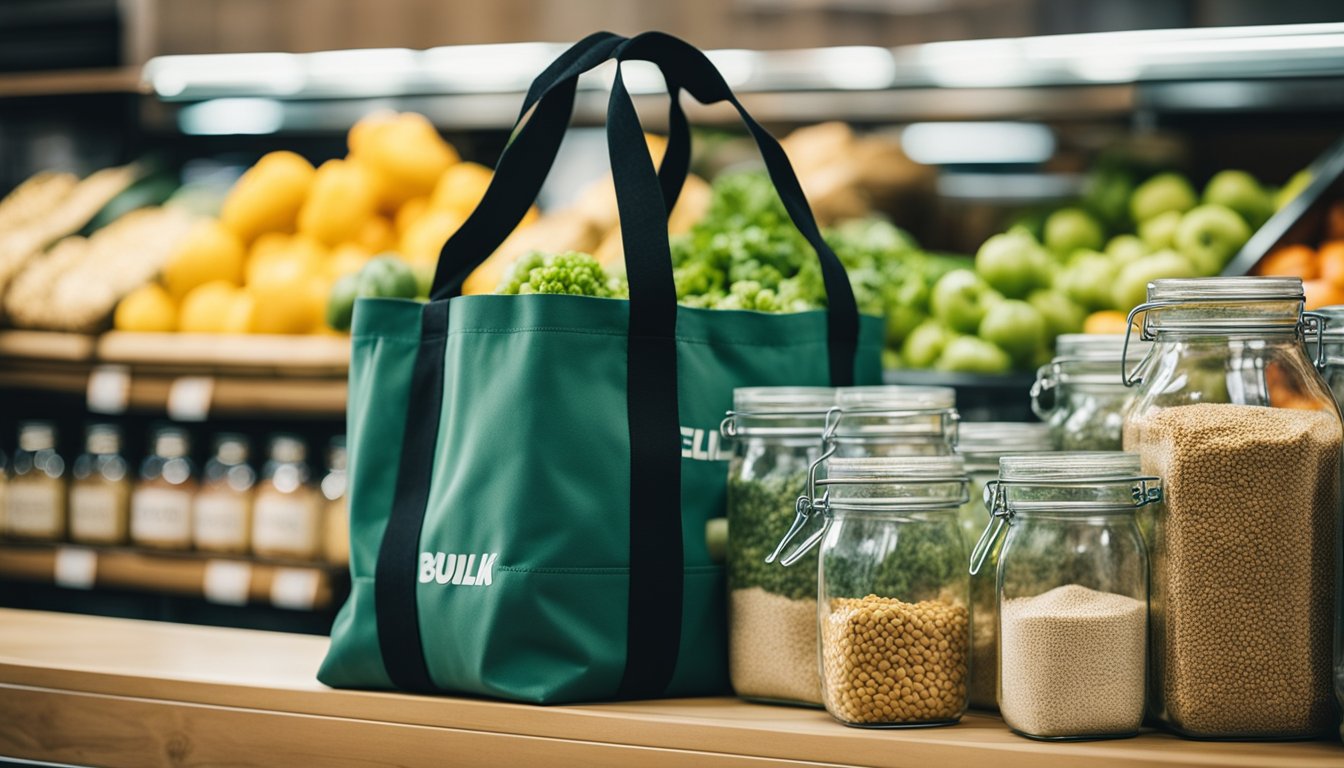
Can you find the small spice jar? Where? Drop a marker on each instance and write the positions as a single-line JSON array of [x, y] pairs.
[[1072, 592], [100, 492], [1234, 416], [982, 444], [161, 502], [894, 616], [286, 516], [775, 434], [35, 497], [222, 511], [1079, 394]]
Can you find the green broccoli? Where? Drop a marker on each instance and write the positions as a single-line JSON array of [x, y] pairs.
[[749, 294], [572, 273]]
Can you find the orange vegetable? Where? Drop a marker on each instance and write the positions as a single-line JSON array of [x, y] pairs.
[[1289, 261], [1331, 261], [1322, 294], [1105, 321]]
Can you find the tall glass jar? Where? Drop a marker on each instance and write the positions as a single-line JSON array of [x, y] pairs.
[[35, 498], [1235, 418], [981, 444], [100, 493], [893, 597], [1080, 395], [1334, 377], [1072, 588], [775, 434]]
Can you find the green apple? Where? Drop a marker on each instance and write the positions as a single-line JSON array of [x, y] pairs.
[[1209, 235], [1126, 248], [891, 358], [1107, 193], [1013, 263], [1016, 327], [960, 299], [1240, 191], [925, 344], [1164, 192], [1160, 231], [1131, 285], [1072, 229], [901, 321], [1087, 280], [1061, 315], [1292, 188], [967, 354]]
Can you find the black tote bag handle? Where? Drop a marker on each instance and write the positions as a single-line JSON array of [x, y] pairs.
[[526, 161]]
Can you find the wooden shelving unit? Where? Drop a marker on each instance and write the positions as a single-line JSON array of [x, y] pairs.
[[229, 375], [73, 82], [80, 689], [224, 580]]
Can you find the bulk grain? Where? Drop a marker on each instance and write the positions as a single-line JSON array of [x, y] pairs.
[[888, 662], [1243, 567], [1073, 663]]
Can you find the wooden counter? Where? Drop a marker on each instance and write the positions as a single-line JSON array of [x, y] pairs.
[[96, 691]]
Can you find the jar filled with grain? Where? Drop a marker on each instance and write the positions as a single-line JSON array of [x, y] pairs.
[[1334, 376], [1072, 592], [981, 444], [1236, 419], [1079, 394], [894, 596], [776, 434]]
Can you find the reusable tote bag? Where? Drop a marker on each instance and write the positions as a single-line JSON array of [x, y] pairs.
[[530, 475]]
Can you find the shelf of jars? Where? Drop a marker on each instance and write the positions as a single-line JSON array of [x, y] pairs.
[[225, 580], [189, 376]]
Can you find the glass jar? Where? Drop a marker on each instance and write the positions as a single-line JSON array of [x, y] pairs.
[[336, 513], [981, 444], [161, 502], [35, 499], [100, 492], [286, 519], [1235, 418], [1079, 394], [775, 434], [1334, 377], [222, 512], [1072, 589], [893, 597], [778, 434]]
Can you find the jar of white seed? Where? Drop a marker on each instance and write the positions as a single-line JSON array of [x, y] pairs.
[[1072, 592], [894, 614]]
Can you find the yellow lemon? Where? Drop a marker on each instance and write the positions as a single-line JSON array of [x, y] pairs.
[[238, 317], [209, 252], [406, 152], [268, 245], [289, 307], [461, 187], [341, 199], [425, 238], [206, 308], [148, 309], [377, 234], [268, 196], [345, 259], [300, 256], [408, 213]]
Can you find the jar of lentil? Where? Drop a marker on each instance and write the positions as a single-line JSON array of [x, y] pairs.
[[1079, 395], [1072, 592], [894, 615], [1236, 419], [777, 434], [1333, 318], [981, 444]]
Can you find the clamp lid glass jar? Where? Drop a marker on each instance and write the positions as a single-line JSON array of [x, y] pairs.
[[775, 434], [1234, 416], [895, 420], [893, 614], [1079, 394], [982, 444], [1072, 592]]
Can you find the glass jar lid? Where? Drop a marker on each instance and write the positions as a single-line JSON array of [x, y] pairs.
[[983, 439], [1222, 305], [37, 436], [896, 412], [874, 483], [1085, 481], [779, 412]]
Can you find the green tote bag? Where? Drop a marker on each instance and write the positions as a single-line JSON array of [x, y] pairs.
[[530, 476]]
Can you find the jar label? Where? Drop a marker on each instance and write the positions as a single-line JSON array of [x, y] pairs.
[[285, 523], [336, 533], [220, 520], [34, 509], [96, 513], [161, 516]]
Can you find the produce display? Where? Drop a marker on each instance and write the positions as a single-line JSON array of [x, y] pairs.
[[1319, 261]]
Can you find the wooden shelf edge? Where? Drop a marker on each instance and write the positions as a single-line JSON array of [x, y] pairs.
[[286, 354]]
